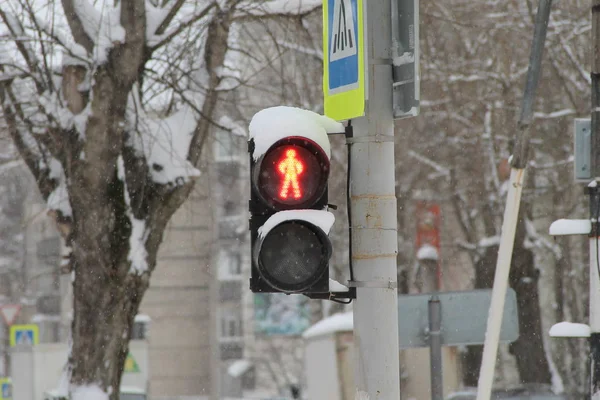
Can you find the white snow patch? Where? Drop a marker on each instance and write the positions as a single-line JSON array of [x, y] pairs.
[[489, 241], [336, 323], [427, 252], [142, 318], [233, 126], [238, 368], [404, 59], [593, 183], [558, 386], [75, 54], [45, 317], [569, 329], [154, 17], [275, 123], [335, 286], [137, 246], [322, 219], [165, 144], [139, 234], [102, 26], [59, 198], [90, 392], [570, 227], [256, 8]]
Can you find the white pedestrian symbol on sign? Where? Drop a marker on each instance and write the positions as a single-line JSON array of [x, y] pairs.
[[24, 337], [343, 37]]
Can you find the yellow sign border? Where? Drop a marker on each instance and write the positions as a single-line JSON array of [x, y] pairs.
[[349, 104], [28, 327]]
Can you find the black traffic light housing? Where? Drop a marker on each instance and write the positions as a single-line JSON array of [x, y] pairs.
[[293, 256]]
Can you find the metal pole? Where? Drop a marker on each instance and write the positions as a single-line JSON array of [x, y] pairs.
[[513, 200], [435, 348], [594, 193], [595, 77], [374, 222], [6, 350]]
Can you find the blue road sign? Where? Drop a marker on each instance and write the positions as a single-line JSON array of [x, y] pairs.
[[27, 335], [24, 337], [5, 389], [343, 60]]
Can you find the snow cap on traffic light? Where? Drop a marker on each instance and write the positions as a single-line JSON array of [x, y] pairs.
[[275, 123]]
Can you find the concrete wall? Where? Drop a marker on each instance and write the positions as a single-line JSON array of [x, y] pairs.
[[178, 302], [321, 363]]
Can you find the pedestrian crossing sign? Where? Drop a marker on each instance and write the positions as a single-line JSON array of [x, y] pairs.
[[24, 335], [343, 59], [5, 389]]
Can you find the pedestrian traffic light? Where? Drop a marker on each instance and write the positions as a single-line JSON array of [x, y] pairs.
[[289, 221]]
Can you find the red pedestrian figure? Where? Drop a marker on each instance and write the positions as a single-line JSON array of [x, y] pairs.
[[290, 168]]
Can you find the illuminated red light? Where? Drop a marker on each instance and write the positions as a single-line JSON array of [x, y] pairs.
[[290, 168], [292, 174]]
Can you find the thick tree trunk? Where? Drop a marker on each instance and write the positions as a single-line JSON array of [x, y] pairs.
[[528, 350], [106, 293], [105, 312], [484, 279]]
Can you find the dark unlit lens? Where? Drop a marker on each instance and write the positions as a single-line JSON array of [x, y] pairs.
[[292, 253]]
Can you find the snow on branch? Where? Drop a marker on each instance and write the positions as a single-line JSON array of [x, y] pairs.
[[102, 26], [138, 255], [164, 143], [316, 53], [442, 170], [271, 8], [17, 34], [555, 114], [59, 197], [62, 115], [155, 37]]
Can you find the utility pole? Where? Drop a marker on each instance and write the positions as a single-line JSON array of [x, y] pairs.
[[374, 222], [594, 193]]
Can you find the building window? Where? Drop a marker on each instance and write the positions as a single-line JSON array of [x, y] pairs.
[[138, 331], [232, 227], [230, 264], [231, 326], [230, 290]]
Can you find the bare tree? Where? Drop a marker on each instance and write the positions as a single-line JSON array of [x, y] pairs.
[[109, 106]]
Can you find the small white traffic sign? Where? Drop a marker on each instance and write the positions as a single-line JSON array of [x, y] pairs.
[[9, 313]]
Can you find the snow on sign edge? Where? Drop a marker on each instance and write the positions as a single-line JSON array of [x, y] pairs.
[[91, 392], [275, 123], [335, 286], [322, 219], [336, 323], [570, 227], [569, 329]]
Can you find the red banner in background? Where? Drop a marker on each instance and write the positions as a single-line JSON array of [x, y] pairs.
[[428, 216]]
